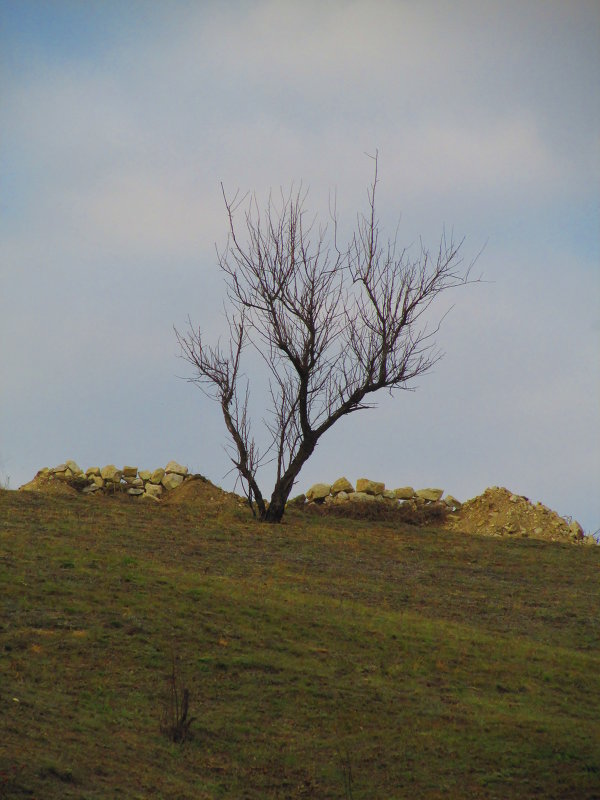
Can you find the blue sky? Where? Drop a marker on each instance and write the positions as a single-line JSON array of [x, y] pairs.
[[119, 120]]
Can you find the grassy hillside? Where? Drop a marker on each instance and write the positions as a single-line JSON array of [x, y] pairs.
[[325, 658]]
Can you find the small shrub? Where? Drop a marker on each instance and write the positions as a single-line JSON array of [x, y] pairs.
[[408, 513], [175, 722], [346, 767], [55, 771]]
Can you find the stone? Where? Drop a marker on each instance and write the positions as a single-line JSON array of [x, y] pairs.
[[452, 502], [110, 473], [176, 468], [361, 497], [145, 474], [172, 480], [318, 491], [299, 500], [129, 472], [97, 481], [341, 485], [60, 468], [135, 491], [153, 490], [136, 482], [74, 467], [366, 486], [157, 475], [147, 496], [341, 497], [93, 471], [430, 494], [62, 474], [404, 493], [90, 489], [389, 494]]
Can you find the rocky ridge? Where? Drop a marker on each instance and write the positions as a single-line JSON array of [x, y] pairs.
[[496, 512], [146, 484]]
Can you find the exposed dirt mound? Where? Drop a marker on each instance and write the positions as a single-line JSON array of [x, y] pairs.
[[499, 512], [43, 483], [198, 490]]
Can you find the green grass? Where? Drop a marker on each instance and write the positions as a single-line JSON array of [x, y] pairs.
[[325, 658]]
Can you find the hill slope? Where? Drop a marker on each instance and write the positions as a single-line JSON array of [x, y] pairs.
[[325, 658]]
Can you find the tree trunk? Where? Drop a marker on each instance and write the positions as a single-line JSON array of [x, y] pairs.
[[281, 492], [275, 510], [284, 485]]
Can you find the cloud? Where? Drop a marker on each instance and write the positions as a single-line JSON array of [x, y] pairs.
[[115, 140]]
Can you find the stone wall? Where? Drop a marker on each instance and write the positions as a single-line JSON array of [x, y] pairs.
[[497, 512], [148, 484], [366, 490]]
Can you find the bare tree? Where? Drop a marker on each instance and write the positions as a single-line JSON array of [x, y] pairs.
[[332, 325]]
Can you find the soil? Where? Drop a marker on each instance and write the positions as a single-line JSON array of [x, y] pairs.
[[43, 483], [198, 490], [499, 512]]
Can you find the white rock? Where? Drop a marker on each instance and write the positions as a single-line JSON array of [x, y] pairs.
[[318, 491], [157, 475], [364, 485], [429, 494], [111, 473], [176, 468], [74, 467], [452, 502], [171, 480], [153, 490], [341, 485], [361, 496], [152, 497]]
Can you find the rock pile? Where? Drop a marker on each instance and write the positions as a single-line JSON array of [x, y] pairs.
[[499, 512], [496, 512], [150, 484], [342, 491]]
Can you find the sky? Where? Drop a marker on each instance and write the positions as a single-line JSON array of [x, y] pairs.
[[118, 123]]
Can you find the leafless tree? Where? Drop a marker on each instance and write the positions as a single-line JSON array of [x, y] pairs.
[[333, 326]]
